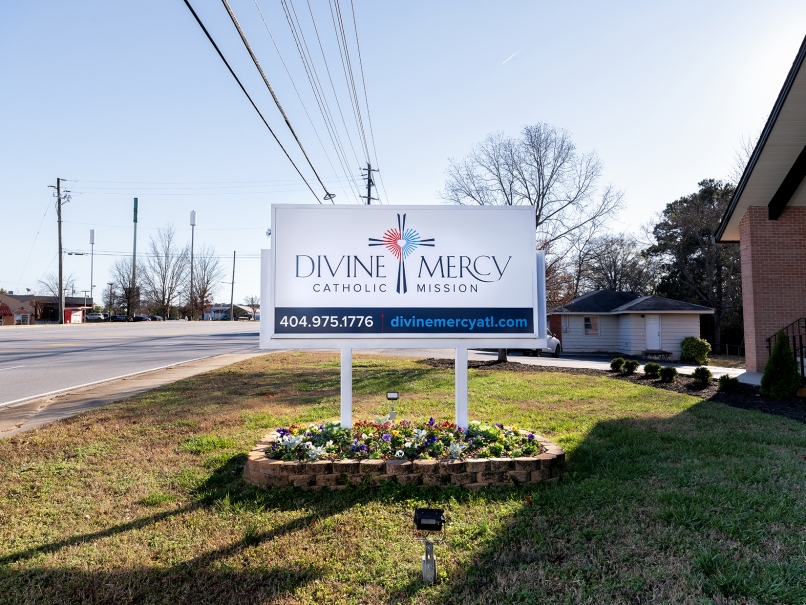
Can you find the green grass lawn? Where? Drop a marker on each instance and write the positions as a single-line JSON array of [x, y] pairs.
[[668, 498]]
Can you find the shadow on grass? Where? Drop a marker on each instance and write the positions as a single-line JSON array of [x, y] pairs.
[[701, 505]]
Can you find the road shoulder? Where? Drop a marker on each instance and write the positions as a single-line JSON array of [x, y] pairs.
[[34, 413]]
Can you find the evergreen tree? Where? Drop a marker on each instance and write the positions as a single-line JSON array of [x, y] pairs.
[[781, 376]]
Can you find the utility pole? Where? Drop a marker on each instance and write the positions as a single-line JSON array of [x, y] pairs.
[[232, 292], [92, 262], [370, 182], [134, 261], [59, 202], [192, 235]]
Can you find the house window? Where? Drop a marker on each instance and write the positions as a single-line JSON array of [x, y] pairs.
[[591, 326], [566, 323]]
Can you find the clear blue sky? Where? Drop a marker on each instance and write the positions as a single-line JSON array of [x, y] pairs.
[[129, 99]]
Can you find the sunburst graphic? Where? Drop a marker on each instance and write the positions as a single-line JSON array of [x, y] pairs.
[[401, 242]]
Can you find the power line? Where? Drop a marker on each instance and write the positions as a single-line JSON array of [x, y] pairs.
[[220, 54], [25, 266], [347, 69], [305, 109], [316, 86], [366, 99], [328, 195], [329, 75]]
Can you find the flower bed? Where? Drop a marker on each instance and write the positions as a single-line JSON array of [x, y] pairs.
[[410, 453], [402, 441]]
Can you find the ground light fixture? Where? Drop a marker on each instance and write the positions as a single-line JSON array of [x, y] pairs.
[[392, 397], [430, 520]]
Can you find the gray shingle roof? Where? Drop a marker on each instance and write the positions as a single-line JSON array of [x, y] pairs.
[[600, 301], [611, 301]]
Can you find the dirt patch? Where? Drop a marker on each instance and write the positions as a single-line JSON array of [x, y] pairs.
[[748, 397]]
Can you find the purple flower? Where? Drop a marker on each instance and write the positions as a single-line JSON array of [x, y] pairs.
[[470, 441], [321, 426], [386, 437], [282, 432], [530, 437], [362, 448], [500, 426], [431, 422]]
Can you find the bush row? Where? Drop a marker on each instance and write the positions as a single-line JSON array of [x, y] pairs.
[[701, 375]]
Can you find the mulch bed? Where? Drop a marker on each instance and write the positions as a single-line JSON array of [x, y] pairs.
[[748, 397]]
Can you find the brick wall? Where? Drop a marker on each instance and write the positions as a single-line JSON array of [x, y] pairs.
[[773, 288]]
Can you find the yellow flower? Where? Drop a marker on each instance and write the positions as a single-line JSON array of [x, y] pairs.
[[395, 433], [514, 427]]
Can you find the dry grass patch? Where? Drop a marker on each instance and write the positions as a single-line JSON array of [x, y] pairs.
[[668, 498]]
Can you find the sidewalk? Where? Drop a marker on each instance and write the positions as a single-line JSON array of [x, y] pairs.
[[566, 360]]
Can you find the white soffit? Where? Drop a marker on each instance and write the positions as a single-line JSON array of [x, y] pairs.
[[783, 145]]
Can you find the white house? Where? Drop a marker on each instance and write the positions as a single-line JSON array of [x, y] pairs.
[[606, 321]]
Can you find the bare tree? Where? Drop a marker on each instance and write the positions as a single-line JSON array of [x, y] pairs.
[[127, 291], [166, 268], [253, 302], [741, 156], [544, 169], [50, 284], [617, 262], [207, 275]]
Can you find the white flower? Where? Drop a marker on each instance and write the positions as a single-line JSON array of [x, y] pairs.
[[420, 435], [400, 453], [314, 453], [407, 444], [329, 443], [455, 449], [363, 436], [290, 441]]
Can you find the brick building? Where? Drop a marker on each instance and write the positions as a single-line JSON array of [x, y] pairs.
[[767, 217]]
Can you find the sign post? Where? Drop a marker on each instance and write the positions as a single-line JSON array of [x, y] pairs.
[[358, 277]]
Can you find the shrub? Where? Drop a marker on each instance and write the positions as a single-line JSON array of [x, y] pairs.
[[781, 377], [651, 369], [630, 366], [695, 349], [702, 376], [727, 384], [617, 364], [668, 374]]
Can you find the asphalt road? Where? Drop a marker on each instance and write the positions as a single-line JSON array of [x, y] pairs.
[[38, 360]]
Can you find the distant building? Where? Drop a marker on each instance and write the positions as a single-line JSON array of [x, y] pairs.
[[221, 312], [607, 321], [45, 309]]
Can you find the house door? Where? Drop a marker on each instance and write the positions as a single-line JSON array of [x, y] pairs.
[[653, 332]]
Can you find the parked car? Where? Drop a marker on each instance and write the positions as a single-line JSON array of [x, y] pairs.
[[173, 319], [553, 346], [106, 316], [155, 318], [117, 318], [141, 318], [95, 316]]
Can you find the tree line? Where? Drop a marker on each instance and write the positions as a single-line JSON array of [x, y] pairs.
[[160, 284], [673, 256]]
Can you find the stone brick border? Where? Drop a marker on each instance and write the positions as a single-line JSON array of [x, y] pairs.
[[473, 473]]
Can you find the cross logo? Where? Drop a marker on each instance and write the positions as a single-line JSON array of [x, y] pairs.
[[401, 242]]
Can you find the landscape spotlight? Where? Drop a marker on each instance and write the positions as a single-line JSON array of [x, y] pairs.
[[430, 520], [392, 397]]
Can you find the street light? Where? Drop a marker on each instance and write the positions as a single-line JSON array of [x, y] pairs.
[[192, 237], [92, 261]]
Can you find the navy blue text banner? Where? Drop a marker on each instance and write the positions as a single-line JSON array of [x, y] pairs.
[[359, 320]]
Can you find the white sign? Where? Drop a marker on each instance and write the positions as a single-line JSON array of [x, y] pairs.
[[368, 276]]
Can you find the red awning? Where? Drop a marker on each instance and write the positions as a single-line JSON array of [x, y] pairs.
[[5, 310]]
